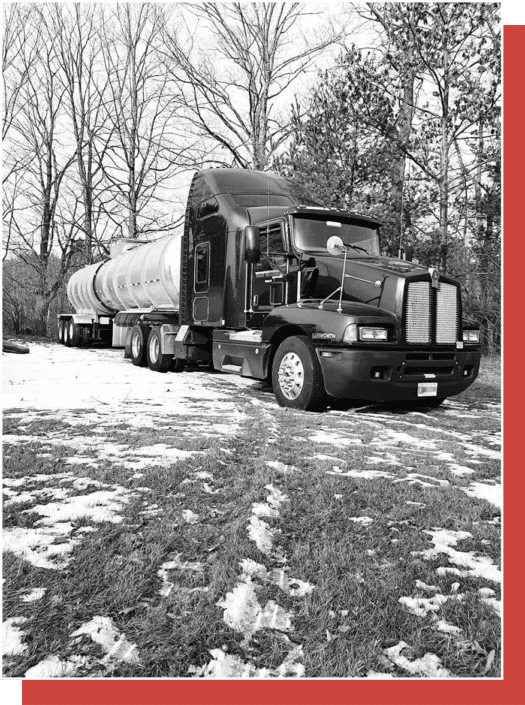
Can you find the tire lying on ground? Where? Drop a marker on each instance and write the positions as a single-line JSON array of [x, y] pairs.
[[14, 348]]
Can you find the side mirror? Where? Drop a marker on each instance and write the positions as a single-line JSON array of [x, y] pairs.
[[252, 244], [335, 245]]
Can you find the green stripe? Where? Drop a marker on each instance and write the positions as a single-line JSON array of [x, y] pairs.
[[11, 692], [514, 12]]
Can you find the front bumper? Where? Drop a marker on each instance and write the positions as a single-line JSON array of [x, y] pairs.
[[394, 375]]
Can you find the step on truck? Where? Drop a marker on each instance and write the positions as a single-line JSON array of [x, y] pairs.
[[263, 282]]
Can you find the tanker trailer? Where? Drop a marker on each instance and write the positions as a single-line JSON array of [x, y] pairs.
[[266, 283], [140, 276]]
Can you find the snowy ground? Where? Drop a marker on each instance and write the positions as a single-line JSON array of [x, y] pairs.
[[102, 432]]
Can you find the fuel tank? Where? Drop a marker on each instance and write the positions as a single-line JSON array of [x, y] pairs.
[[144, 276]]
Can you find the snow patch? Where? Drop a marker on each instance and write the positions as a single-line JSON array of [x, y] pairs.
[[53, 667], [444, 540], [365, 521], [12, 637], [490, 493], [102, 631], [189, 516], [34, 594], [429, 666], [335, 439]]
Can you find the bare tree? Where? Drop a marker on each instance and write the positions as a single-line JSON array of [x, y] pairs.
[[231, 91], [142, 154], [77, 30], [34, 229]]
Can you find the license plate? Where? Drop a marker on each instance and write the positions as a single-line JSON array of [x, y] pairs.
[[427, 389]]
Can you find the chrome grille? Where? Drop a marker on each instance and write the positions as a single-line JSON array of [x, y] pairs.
[[418, 313], [446, 313]]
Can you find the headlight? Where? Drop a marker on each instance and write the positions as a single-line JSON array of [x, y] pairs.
[[471, 336], [375, 334]]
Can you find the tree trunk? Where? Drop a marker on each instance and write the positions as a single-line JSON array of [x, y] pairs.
[[444, 160]]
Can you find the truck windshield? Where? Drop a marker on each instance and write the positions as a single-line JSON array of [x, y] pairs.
[[311, 233]]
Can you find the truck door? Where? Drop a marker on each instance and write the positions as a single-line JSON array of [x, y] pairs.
[[267, 287]]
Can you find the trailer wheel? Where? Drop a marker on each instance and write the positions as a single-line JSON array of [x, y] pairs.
[[66, 339], [61, 332], [138, 346], [296, 375], [74, 334], [157, 360]]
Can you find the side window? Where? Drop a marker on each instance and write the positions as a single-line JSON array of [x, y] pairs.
[[207, 208], [202, 267], [271, 239]]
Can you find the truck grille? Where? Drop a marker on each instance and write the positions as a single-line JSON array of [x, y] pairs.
[[418, 313], [431, 314], [447, 314]]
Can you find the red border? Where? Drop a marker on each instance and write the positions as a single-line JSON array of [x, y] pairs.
[[469, 692]]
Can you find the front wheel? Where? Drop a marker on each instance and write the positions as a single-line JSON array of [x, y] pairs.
[[157, 360], [296, 375]]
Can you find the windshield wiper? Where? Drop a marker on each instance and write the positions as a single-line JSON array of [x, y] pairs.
[[356, 247]]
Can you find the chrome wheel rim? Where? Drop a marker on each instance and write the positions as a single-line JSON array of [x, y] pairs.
[[154, 349], [61, 331], [135, 345], [291, 375]]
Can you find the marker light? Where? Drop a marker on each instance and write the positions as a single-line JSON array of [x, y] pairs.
[[350, 334]]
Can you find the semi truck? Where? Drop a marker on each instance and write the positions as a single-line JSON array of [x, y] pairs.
[[263, 281]]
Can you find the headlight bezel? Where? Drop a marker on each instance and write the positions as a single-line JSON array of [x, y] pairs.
[[355, 333]]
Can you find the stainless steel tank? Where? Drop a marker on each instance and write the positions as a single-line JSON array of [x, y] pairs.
[[145, 276]]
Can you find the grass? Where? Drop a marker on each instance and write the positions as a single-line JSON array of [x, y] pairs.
[[360, 571]]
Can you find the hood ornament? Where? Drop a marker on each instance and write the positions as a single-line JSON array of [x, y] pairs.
[[434, 276]]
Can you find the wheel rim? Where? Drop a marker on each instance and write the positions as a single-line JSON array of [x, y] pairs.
[[154, 349], [291, 375], [61, 331], [71, 329], [135, 345]]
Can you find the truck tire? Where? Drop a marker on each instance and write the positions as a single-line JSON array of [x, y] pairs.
[[66, 339], [74, 334], [14, 348], [157, 360], [138, 346], [296, 375], [61, 332]]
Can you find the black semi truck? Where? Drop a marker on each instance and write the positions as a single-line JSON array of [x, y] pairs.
[[263, 282]]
